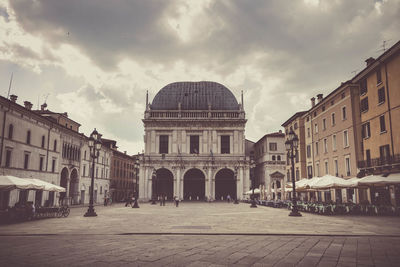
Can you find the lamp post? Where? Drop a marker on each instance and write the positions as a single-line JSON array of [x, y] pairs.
[[94, 148], [252, 166], [154, 176], [136, 205], [291, 145]]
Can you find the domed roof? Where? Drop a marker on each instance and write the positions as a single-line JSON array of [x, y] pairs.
[[195, 96]]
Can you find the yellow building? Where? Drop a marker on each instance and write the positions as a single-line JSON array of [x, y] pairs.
[[380, 125]]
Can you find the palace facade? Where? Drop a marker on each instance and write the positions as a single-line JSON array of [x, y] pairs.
[[194, 144]]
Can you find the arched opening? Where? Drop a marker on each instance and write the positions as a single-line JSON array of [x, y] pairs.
[[194, 185], [74, 187], [163, 184], [225, 184], [63, 183]]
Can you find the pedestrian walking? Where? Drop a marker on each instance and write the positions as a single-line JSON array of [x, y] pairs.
[[228, 198], [176, 201]]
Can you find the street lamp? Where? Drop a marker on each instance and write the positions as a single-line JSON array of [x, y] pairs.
[[94, 148], [291, 145], [154, 176], [252, 166], [136, 205]]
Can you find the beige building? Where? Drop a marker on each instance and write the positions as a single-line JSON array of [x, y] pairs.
[[270, 158], [194, 144], [48, 146], [335, 126], [296, 123]]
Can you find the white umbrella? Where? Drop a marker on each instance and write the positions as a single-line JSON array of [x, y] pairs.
[[49, 186], [256, 191], [380, 180], [9, 182], [330, 181], [302, 184]]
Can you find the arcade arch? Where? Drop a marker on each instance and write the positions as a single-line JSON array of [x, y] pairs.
[[163, 183], [194, 183], [225, 184]]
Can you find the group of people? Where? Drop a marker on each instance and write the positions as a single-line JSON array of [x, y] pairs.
[[129, 201]]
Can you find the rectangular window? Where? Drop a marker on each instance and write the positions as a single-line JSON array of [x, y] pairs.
[[384, 152], [364, 105], [28, 137], [53, 166], [344, 114], [308, 151], [194, 144], [325, 145], [382, 123], [347, 164], [317, 168], [316, 128], [316, 148], [309, 171], [326, 167], [365, 130], [333, 119], [336, 167], [26, 161], [345, 138], [378, 76], [43, 141], [334, 142], [308, 132], [225, 144], [163, 147], [297, 175], [41, 160], [381, 95], [324, 124], [8, 158], [55, 145], [363, 87], [84, 170], [368, 157], [273, 146]]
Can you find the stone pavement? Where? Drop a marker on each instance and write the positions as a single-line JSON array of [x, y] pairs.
[[201, 234]]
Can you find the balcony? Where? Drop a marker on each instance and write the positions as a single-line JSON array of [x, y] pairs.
[[201, 114], [379, 162], [276, 162]]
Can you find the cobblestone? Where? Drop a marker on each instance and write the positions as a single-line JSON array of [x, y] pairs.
[[149, 236]]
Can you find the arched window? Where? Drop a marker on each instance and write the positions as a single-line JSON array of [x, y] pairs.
[[43, 140], [273, 157], [279, 158], [28, 137], [10, 131]]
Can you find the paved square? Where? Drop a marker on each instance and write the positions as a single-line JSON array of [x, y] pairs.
[[201, 234]]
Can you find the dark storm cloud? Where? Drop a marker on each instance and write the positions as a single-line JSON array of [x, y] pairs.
[[105, 30], [309, 49]]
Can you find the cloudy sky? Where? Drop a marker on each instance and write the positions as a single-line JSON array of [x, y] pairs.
[[96, 59]]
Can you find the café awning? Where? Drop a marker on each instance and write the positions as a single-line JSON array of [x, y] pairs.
[[393, 178], [8, 182]]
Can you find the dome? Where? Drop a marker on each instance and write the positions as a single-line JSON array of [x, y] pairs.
[[195, 96]]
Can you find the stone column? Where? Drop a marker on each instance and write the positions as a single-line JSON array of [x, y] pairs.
[[181, 182], [208, 179], [177, 182], [276, 190]]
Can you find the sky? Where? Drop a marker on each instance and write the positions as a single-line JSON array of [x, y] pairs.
[[95, 60]]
